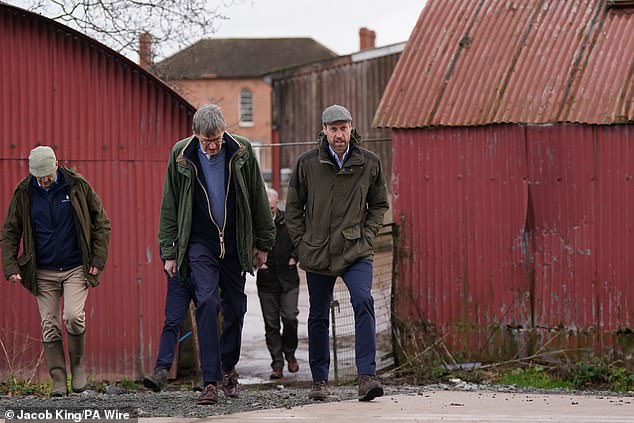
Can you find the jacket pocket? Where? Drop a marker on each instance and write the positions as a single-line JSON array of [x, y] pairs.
[[313, 255], [355, 245], [27, 272]]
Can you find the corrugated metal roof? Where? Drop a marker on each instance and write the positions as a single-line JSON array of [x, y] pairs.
[[477, 62]]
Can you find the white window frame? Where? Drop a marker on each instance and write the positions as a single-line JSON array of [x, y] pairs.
[[246, 108]]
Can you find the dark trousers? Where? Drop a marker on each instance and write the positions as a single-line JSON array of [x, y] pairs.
[[218, 284], [177, 300], [358, 280], [275, 307]]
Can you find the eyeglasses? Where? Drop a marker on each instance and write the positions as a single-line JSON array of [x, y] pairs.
[[206, 141]]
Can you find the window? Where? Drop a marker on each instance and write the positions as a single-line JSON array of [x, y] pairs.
[[246, 107]]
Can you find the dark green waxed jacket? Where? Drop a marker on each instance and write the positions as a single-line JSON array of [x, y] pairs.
[[91, 221], [254, 224], [333, 215]]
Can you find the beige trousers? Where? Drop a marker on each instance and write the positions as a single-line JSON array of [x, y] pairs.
[[52, 286]]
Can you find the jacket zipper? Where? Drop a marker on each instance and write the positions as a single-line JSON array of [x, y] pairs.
[[224, 223], [220, 230]]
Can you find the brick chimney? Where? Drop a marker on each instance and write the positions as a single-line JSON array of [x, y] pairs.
[[366, 38], [145, 50]]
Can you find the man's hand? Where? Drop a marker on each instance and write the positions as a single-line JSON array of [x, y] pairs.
[[170, 268], [93, 270], [259, 258], [15, 278]]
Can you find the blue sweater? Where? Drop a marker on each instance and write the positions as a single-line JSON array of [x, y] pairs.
[[203, 231]]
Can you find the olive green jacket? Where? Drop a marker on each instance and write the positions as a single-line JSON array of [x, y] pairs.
[[254, 223], [333, 215], [91, 221]]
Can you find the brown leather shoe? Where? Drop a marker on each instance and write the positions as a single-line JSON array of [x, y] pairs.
[[208, 396], [319, 391], [230, 385], [277, 374], [293, 365], [369, 388]]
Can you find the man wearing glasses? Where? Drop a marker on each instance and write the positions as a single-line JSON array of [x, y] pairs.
[[216, 226]]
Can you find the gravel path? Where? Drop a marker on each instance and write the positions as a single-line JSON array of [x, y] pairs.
[[252, 397]]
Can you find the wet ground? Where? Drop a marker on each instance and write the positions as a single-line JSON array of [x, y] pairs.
[[255, 361]]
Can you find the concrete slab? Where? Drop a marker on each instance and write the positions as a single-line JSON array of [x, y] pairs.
[[449, 407]]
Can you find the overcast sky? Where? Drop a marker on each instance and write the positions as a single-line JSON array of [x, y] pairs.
[[333, 23]]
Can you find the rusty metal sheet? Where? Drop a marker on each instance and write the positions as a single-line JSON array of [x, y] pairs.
[[564, 200], [613, 291], [477, 62], [460, 197], [511, 232]]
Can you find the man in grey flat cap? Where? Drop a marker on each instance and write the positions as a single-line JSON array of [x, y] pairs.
[[64, 232], [336, 201]]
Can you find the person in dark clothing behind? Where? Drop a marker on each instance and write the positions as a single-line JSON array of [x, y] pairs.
[[278, 290], [64, 231], [215, 223]]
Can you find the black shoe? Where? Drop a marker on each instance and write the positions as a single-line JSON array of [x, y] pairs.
[[157, 380]]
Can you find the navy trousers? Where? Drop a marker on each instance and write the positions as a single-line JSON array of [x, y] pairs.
[[358, 280], [179, 294], [215, 285], [218, 285]]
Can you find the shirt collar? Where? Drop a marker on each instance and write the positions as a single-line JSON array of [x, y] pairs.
[[336, 157]]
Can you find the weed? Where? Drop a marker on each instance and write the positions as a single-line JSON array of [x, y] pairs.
[[599, 373], [535, 377], [128, 384], [15, 386], [620, 380]]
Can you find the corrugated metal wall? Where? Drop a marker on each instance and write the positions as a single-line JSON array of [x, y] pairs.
[[116, 124], [300, 97], [507, 228]]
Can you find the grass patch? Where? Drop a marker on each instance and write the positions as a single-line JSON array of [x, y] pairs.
[[534, 377], [599, 373], [14, 386], [128, 384]]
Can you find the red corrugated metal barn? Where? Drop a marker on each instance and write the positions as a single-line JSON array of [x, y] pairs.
[[116, 124], [513, 148]]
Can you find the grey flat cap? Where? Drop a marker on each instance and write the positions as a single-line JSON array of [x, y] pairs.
[[336, 113], [42, 161]]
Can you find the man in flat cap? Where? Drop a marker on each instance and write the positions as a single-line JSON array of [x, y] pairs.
[[64, 232], [336, 201]]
